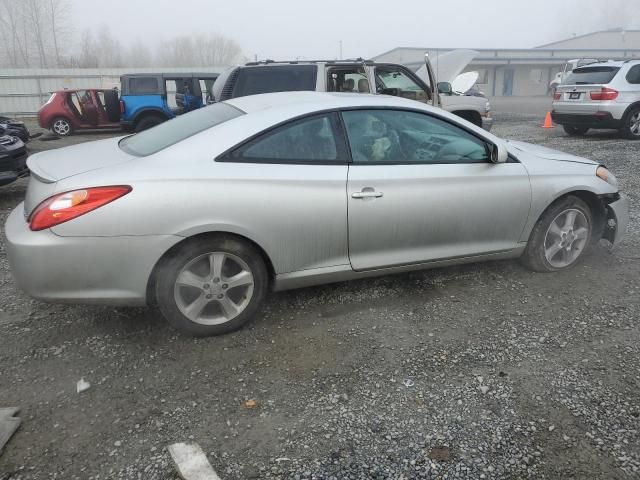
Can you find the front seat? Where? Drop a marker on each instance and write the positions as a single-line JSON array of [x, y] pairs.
[[348, 85], [363, 86]]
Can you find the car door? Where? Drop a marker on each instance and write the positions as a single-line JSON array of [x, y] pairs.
[[400, 82], [290, 190], [422, 189]]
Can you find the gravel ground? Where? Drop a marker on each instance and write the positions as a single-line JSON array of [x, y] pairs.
[[480, 371]]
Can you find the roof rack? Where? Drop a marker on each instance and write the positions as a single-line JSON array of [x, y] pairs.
[[295, 62]]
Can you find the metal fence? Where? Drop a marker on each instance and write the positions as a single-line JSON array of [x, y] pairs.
[[24, 91]]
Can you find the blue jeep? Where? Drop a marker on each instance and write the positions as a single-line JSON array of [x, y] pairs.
[[147, 99]]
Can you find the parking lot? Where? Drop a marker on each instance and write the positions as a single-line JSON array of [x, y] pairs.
[[479, 371]]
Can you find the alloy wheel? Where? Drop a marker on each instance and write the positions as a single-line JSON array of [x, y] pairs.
[[566, 238], [634, 124], [61, 127], [214, 288]]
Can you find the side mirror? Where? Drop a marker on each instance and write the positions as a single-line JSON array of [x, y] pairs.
[[445, 88], [498, 152]]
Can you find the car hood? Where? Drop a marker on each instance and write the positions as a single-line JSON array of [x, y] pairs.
[[545, 153], [448, 66], [463, 82], [54, 165]]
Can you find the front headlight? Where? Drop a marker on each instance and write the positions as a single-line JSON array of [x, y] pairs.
[[607, 176]]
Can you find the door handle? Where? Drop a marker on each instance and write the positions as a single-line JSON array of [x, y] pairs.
[[367, 194]]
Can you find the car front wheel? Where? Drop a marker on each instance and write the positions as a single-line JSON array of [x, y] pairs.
[[211, 286], [561, 237]]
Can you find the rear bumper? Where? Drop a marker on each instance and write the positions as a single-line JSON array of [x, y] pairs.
[[92, 270], [591, 120]]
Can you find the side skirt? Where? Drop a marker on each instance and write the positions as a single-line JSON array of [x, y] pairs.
[[342, 273]]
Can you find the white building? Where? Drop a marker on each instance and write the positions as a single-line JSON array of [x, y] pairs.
[[527, 72]]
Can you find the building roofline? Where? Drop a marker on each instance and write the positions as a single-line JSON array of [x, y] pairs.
[[536, 49], [612, 30]]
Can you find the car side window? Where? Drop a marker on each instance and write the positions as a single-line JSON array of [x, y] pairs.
[[143, 85], [309, 140], [406, 137], [348, 79], [633, 76], [397, 82]]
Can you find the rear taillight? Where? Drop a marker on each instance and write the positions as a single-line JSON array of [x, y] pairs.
[[557, 95], [69, 205], [121, 106], [604, 94]]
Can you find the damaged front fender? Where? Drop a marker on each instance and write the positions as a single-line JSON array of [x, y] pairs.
[[617, 220]]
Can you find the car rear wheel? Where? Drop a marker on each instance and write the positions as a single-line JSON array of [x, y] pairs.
[[147, 123], [575, 131], [211, 286], [561, 237], [631, 124], [61, 127]]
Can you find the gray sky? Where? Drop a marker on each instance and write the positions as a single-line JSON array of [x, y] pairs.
[[282, 29]]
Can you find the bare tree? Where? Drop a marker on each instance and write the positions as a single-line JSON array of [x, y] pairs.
[[35, 14], [216, 50], [177, 52], [109, 49], [200, 50], [58, 12], [13, 33], [138, 55], [101, 51], [87, 57]]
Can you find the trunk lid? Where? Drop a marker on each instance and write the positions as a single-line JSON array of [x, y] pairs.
[[47, 168]]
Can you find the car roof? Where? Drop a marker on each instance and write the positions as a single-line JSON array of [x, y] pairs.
[[609, 63], [348, 61], [72, 90], [317, 101]]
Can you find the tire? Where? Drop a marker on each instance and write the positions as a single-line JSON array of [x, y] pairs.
[[198, 299], [631, 124], [112, 105], [61, 126], [473, 117], [148, 122], [547, 236], [575, 131]]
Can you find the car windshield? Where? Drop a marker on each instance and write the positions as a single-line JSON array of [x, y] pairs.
[[591, 75], [174, 131]]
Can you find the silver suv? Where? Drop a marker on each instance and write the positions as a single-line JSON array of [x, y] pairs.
[[603, 95]]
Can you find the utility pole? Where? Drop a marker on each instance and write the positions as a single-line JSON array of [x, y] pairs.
[[340, 58]]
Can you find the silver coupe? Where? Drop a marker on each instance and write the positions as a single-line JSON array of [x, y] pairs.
[[206, 213]]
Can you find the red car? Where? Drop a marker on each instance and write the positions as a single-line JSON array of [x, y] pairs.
[[70, 110]]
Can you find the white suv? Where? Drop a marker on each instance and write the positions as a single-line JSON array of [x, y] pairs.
[[602, 95], [355, 76]]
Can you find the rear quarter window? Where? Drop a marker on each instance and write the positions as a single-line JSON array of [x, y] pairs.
[[591, 75], [256, 80], [633, 76], [180, 128], [143, 85]]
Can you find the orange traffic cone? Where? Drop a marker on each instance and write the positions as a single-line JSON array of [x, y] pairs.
[[548, 123]]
